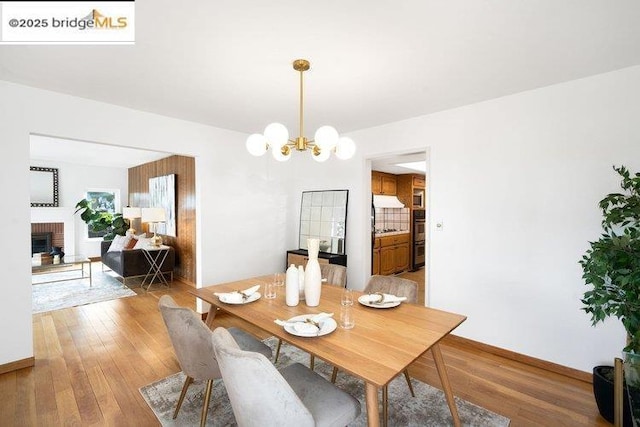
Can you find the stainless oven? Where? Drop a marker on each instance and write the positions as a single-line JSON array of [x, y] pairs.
[[419, 237]]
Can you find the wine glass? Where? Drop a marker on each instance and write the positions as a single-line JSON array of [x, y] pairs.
[[278, 279], [347, 297]]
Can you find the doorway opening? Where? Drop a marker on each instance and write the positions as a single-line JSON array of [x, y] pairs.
[[407, 178]]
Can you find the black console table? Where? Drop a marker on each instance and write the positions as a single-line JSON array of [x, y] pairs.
[[300, 257]]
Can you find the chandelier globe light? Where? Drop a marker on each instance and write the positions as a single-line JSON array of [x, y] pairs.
[[276, 136]]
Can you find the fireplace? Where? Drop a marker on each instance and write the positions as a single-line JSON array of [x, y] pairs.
[[41, 242]]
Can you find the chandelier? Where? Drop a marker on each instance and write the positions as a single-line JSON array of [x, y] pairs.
[[276, 136]]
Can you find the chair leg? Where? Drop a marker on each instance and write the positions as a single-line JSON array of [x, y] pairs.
[[187, 383], [205, 404], [277, 351], [312, 361], [334, 375], [406, 376], [385, 405]]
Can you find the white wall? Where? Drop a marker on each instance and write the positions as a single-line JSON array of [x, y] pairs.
[[516, 181], [235, 192], [74, 181]]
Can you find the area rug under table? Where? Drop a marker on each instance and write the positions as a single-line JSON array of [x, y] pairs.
[[428, 408], [71, 293]]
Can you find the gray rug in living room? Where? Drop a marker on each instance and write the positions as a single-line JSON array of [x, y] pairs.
[[428, 408], [72, 293]]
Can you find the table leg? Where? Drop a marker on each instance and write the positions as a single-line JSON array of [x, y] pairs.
[[446, 386], [90, 274], [155, 269], [371, 398], [211, 316]]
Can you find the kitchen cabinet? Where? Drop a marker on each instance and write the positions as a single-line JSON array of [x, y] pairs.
[[301, 256], [383, 183], [410, 190], [375, 258], [402, 257], [394, 254]]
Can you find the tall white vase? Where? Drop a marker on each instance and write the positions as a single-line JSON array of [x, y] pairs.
[[312, 275]]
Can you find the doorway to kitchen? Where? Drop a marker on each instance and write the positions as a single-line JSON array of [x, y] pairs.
[[403, 176]]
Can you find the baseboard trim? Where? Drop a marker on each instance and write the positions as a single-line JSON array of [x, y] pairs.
[[17, 364], [576, 374]]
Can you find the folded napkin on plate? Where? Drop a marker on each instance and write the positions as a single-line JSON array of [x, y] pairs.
[[303, 326], [237, 296], [379, 298]]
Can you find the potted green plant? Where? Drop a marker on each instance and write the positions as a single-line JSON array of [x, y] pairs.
[[100, 220], [611, 269]]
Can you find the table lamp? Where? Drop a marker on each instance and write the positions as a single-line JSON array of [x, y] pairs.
[[131, 214], [154, 216]]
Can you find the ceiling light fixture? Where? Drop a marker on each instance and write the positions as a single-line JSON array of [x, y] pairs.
[[276, 135]]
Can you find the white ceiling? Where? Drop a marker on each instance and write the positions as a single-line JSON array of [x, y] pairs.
[[89, 154], [228, 63]]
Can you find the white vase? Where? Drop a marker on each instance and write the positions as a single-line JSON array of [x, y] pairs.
[[312, 275], [292, 286], [301, 283]]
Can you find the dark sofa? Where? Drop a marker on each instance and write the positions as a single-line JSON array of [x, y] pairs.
[[133, 263]]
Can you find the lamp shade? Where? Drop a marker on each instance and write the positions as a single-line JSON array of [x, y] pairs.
[[131, 213], [153, 215]]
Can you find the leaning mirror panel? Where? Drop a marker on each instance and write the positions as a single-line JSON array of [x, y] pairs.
[[323, 216]]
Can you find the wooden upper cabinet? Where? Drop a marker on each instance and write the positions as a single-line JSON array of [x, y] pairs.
[[409, 185], [376, 183], [389, 185], [383, 183], [419, 181]]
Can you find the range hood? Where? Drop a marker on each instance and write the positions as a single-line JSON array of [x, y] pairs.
[[386, 202]]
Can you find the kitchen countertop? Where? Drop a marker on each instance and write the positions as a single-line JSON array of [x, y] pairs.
[[391, 233]]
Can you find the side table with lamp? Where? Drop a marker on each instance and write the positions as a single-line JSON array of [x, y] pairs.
[[156, 253]]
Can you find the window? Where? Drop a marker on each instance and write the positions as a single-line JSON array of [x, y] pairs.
[[105, 200]]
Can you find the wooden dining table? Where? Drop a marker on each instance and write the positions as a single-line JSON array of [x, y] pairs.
[[383, 343]]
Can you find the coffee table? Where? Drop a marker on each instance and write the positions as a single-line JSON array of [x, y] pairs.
[[67, 263]]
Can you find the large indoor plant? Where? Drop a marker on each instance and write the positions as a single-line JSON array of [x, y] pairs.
[[101, 220], [611, 269]]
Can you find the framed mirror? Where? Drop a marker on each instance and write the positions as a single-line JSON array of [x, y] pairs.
[[323, 216], [44, 187]]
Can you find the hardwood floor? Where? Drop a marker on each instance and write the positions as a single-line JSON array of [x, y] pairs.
[[91, 360]]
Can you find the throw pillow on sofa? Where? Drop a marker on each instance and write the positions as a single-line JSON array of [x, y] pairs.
[[143, 242], [119, 243], [131, 244]]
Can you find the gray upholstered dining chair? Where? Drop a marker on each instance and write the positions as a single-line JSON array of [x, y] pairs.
[[399, 287], [262, 395], [191, 340], [335, 275]]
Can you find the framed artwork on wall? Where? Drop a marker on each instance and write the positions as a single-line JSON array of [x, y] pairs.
[[162, 194]]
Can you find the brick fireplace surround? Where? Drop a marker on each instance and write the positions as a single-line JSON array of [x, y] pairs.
[[55, 228]]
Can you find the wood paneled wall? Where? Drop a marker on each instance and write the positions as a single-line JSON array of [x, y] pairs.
[[185, 241]]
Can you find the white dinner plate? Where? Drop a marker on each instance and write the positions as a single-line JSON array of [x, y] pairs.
[[253, 297], [363, 300], [327, 325]]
